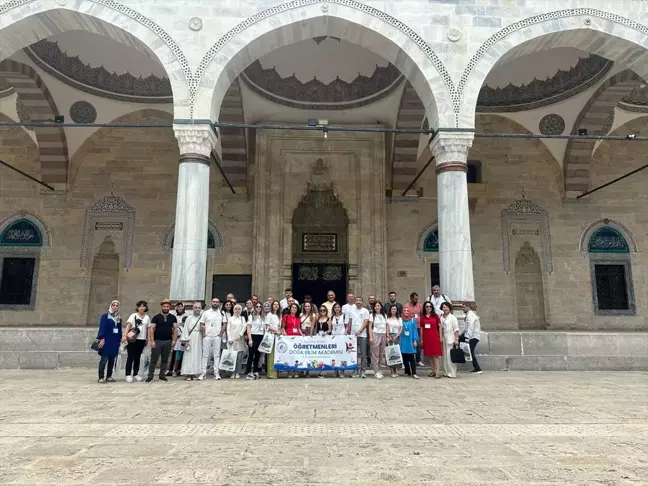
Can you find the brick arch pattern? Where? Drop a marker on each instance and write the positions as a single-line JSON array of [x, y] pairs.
[[405, 151], [52, 144], [593, 117], [234, 140]]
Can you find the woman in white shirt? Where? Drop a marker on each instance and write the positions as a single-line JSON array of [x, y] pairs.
[[255, 331], [308, 318], [394, 330], [135, 333], [450, 338], [273, 325], [236, 327], [377, 337], [338, 327]]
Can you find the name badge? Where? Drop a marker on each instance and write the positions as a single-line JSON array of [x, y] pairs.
[[427, 326], [415, 316], [295, 330], [115, 331], [407, 333]]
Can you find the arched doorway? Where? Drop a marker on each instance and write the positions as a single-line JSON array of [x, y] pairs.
[[320, 240]]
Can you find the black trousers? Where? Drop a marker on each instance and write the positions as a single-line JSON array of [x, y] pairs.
[[105, 360], [409, 363], [253, 354], [134, 351], [161, 351], [419, 347], [473, 346]]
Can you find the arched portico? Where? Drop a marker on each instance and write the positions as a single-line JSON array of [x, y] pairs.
[[27, 21], [298, 20], [583, 28]]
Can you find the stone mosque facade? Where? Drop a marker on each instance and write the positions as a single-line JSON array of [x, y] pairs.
[[143, 198]]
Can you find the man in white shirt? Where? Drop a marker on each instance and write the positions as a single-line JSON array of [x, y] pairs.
[[472, 333], [213, 324], [437, 298], [350, 303], [283, 303], [330, 302], [358, 317]]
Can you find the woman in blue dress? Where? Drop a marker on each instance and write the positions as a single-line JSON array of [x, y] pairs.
[[409, 343], [110, 338]]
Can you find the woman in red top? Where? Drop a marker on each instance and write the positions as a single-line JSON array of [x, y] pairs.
[[431, 337], [290, 323], [290, 326]]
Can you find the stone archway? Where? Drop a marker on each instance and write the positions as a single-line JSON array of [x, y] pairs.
[[320, 240], [529, 289]]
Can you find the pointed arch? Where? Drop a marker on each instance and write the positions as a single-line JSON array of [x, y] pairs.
[[214, 238], [591, 229], [301, 19], [593, 117], [35, 221], [52, 143], [432, 227]]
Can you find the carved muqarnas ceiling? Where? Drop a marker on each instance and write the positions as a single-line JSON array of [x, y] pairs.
[[564, 84], [97, 80], [314, 94]]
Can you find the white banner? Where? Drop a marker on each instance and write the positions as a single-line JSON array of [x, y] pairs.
[[307, 353]]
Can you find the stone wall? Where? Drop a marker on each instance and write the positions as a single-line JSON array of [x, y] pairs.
[[507, 165]]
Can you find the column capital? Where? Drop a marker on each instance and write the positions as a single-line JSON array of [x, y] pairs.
[[195, 139], [451, 149]]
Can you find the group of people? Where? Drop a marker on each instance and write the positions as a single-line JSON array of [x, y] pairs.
[[192, 340]]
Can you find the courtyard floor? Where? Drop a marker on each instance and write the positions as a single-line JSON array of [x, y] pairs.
[[62, 428]]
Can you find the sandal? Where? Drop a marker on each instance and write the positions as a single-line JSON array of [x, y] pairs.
[[431, 374], [438, 377]]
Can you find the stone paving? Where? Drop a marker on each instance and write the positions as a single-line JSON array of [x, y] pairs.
[[62, 428]]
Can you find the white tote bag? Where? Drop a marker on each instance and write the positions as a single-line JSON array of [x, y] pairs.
[[228, 361], [393, 355], [267, 343], [465, 347]]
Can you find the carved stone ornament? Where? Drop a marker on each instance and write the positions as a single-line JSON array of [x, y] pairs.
[[315, 95], [195, 139], [454, 147], [98, 81], [195, 23], [525, 211], [115, 209], [552, 124]]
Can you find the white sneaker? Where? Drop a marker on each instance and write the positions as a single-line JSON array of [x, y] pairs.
[[129, 379], [217, 376], [379, 376], [249, 376], [415, 377], [363, 375], [236, 376], [420, 363], [201, 377], [138, 378]]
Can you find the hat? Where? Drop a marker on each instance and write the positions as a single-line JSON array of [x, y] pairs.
[[166, 301]]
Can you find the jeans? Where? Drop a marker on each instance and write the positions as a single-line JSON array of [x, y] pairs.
[[378, 350], [362, 354], [473, 346], [134, 351], [253, 354], [161, 351], [102, 365], [409, 362]]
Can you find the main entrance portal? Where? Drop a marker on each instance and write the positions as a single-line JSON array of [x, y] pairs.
[[317, 279], [320, 240]]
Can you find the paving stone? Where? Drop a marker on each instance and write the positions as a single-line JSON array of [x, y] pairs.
[[517, 427]]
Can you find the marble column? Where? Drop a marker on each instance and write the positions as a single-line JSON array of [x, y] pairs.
[[455, 249], [189, 265]]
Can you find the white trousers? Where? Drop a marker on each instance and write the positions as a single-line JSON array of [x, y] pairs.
[[448, 366], [211, 347]]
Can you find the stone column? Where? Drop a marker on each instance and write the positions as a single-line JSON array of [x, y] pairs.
[[192, 212], [455, 249]]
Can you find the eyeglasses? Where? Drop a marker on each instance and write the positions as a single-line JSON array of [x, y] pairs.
[[323, 310]]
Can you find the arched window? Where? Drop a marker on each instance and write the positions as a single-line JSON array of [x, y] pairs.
[[211, 241], [431, 243], [611, 271], [22, 239]]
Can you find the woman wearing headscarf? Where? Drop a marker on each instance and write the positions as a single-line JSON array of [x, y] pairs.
[[192, 343], [450, 337], [110, 338], [236, 327]]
